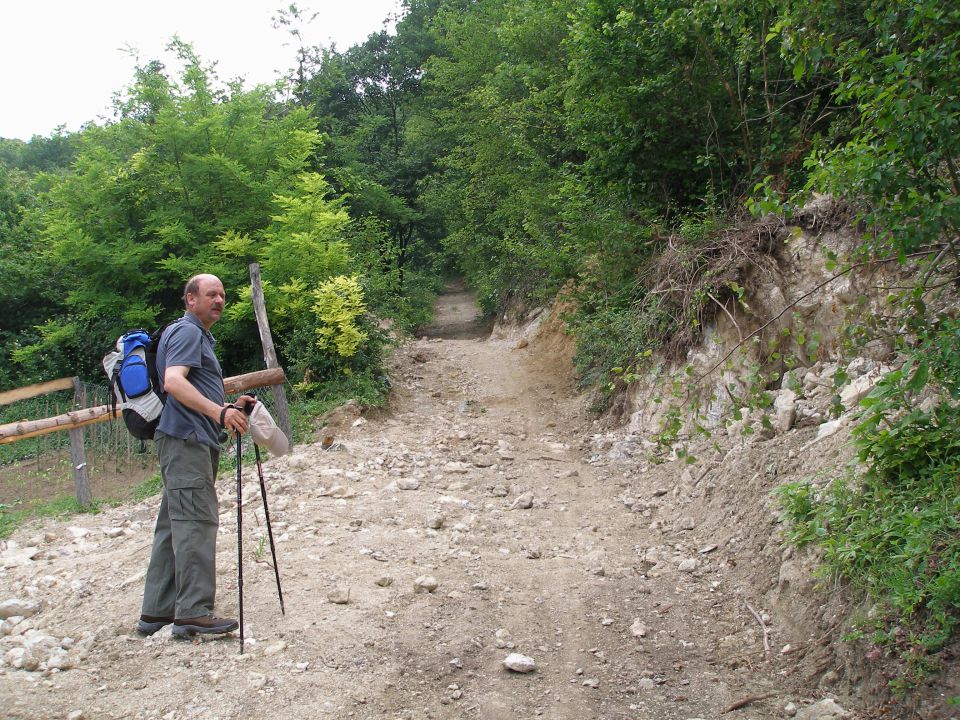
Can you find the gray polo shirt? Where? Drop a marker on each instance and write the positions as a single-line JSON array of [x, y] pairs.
[[188, 344]]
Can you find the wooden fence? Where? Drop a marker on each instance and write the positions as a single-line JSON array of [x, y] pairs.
[[73, 421]]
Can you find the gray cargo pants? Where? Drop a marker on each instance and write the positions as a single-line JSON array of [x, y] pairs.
[[181, 578]]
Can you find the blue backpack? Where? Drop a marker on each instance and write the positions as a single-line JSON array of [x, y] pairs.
[[134, 382]]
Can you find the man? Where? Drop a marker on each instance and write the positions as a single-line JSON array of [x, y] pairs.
[[181, 579]]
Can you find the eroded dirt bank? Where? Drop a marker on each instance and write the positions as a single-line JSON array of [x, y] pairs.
[[639, 591]]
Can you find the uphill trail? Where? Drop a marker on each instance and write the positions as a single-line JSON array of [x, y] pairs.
[[470, 519]]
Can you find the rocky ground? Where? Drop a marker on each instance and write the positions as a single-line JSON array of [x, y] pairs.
[[481, 549]]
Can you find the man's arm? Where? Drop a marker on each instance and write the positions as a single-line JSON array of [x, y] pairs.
[[175, 383]]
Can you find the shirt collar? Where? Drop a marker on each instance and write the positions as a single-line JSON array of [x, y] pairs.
[[190, 317]]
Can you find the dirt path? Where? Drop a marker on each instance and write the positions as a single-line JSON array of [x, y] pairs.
[[594, 590]]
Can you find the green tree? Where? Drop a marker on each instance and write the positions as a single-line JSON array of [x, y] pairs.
[[497, 87], [368, 100], [27, 294], [899, 153], [185, 164]]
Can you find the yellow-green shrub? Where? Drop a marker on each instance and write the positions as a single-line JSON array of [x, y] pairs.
[[338, 303]]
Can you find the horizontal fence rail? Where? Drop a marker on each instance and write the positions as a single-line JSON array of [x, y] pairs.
[[13, 432], [38, 466], [32, 391]]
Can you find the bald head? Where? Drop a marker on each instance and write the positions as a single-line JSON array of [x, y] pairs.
[[204, 297], [193, 285]]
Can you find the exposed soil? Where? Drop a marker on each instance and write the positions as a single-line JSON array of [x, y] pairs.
[[49, 476], [639, 590]]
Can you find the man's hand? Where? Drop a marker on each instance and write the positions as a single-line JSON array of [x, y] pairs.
[[234, 419], [231, 417], [246, 403]]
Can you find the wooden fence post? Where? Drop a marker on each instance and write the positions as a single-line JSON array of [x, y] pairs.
[[269, 354], [78, 458]]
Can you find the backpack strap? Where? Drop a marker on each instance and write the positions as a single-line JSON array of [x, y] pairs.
[[113, 389]]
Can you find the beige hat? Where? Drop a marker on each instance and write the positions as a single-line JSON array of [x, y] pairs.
[[265, 432]]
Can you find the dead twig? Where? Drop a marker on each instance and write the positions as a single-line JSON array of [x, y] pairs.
[[724, 308], [746, 701], [763, 626], [951, 281]]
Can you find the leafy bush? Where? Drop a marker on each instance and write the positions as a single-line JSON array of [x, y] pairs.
[[338, 303], [893, 532]]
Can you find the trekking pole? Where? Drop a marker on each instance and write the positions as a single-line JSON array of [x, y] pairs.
[[240, 540], [266, 514]]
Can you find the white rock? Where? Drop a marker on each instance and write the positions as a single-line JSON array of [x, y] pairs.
[[16, 556], [18, 608], [339, 595], [790, 709], [852, 394], [827, 709], [435, 522], [14, 657], [687, 566], [785, 409], [78, 532], [829, 428], [425, 584], [22, 659], [519, 663], [39, 642], [408, 483], [638, 629], [161, 637], [113, 532], [523, 502], [76, 715], [384, 581], [59, 659], [646, 684]]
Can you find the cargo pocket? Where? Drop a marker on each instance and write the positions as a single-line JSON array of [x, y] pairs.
[[198, 504]]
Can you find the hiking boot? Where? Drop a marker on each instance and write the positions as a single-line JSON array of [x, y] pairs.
[[149, 624], [205, 624]]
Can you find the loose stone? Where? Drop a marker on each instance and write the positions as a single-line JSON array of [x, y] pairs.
[[519, 663], [524, 502], [339, 595], [18, 608], [425, 584]]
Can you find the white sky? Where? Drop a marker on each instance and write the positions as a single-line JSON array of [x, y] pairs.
[[61, 61]]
